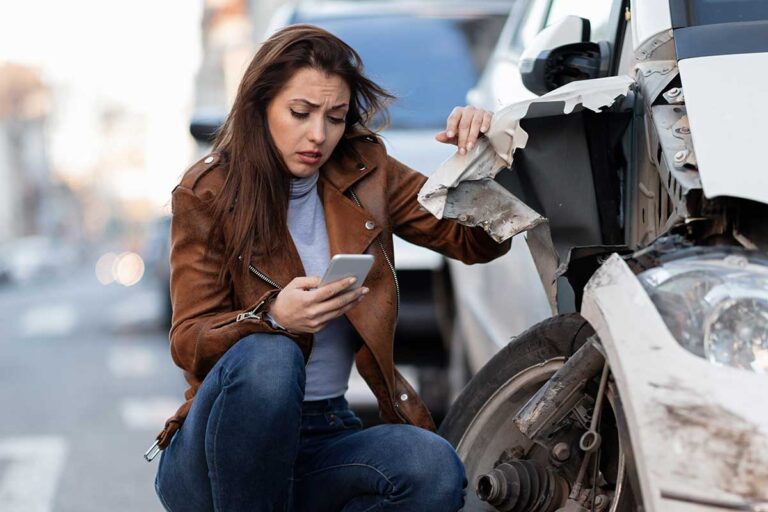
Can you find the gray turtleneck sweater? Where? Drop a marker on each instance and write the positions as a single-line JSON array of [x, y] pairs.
[[333, 352]]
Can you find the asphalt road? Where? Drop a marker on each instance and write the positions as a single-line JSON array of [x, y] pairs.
[[85, 384]]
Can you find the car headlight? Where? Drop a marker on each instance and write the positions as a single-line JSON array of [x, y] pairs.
[[716, 306]]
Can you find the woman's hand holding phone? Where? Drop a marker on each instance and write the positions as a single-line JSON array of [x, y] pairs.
[[303, 308]]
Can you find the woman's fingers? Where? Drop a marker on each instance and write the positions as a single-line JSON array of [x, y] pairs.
[[464, 126], [487, 117], [324, 293], [322, 320], [445, 139], [452, 125], [298, 308], [474, 129], [338, 302], [304, 283]]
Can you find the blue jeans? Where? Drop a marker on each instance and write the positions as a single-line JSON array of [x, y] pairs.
[[250, 443]]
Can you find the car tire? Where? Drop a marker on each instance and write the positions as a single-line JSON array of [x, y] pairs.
[[555, 337], [480, 424]]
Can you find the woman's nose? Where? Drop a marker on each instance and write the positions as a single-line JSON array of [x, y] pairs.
[[317, 132]]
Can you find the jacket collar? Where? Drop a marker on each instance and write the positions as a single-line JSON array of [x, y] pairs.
[[344, 172], [351, 229]]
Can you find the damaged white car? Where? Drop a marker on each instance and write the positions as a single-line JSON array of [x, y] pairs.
[[638, 182]]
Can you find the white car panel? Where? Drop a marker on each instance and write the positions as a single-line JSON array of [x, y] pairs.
[[692, 434], [649, 18], [414, 257], [418, 149], [503, 85], [726, 126], [519, 300]]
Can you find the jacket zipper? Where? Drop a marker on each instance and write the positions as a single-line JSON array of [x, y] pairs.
[[263, 277], [386, 258], [395, 404], [256, 312], [251, 314]]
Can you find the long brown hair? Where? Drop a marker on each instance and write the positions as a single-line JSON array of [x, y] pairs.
[[253, 202]]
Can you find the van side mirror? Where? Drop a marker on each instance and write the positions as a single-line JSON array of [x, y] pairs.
[[562, 53]]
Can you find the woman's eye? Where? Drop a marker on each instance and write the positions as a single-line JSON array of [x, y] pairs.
[[305, 115]]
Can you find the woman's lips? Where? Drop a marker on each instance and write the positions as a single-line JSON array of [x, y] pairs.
[[310, 157]]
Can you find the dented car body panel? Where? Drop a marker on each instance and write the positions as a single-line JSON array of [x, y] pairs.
[[697, 435], [565, 192], [600, 170], [506, 135]]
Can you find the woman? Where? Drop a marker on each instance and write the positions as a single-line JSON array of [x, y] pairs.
[[296, 176]]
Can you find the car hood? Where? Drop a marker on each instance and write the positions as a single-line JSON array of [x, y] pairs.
[[727, 106]]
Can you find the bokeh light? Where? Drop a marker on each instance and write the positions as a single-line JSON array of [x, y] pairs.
[[128, 269], [104, 268]]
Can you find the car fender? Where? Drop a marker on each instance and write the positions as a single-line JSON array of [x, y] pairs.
[[699, 432]]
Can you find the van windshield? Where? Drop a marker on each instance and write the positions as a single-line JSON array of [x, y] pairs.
[[428, 63]]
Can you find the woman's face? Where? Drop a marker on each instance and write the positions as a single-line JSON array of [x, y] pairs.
[[306, 119]]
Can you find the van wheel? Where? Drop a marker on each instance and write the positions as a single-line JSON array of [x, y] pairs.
[[480, 425]]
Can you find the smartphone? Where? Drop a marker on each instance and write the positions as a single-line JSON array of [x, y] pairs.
[[348, 265]]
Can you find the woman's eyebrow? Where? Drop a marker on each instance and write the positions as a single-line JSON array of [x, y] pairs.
[[313, 105]]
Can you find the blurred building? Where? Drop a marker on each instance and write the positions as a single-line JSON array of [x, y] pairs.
[[231, 31], [227, 48], [24, 170]]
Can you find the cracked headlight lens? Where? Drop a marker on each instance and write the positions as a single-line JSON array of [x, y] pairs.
[[716, 307]]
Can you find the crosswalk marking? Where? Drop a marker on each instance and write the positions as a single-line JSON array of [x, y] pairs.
[[141, 307], [50, 320], [29, 482], [132, 361]]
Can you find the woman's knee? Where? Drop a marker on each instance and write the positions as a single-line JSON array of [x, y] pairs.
[[444, 467], [271, 366], [429, 469]]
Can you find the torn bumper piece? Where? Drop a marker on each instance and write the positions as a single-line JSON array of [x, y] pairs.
[[441, 194], [487, 204], [463, 187]]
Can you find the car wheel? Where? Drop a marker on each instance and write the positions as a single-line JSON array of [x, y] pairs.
[[480, 425]]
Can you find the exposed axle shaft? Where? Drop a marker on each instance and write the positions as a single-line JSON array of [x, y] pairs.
[[522, 486]]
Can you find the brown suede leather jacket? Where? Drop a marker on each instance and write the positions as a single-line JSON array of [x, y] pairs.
[[209, 318]]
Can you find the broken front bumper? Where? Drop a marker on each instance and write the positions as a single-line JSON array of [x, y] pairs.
[[699, 432]]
